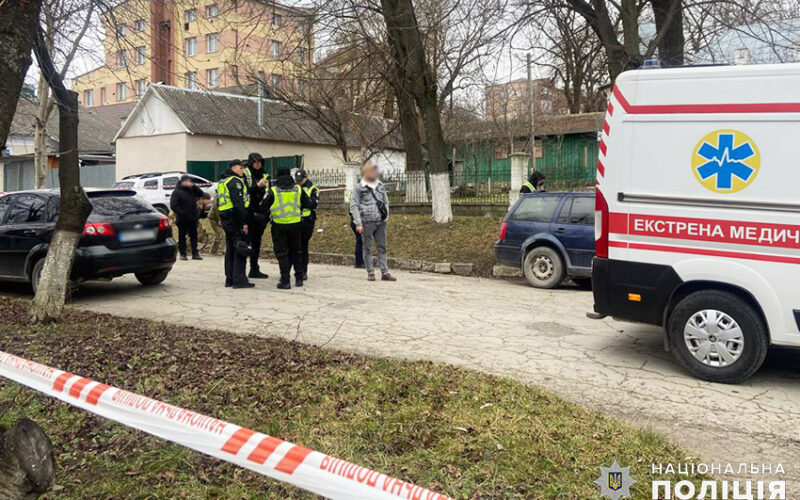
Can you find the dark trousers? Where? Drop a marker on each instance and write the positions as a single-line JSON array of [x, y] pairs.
[[187, 228], [234, 262], [255, 231], [306, 232], [359, 254], [286, 242]]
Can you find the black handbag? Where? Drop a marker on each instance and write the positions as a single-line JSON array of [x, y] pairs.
[[381, 205]]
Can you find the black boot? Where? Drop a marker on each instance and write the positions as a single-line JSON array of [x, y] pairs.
[[284, 285], [257, 274], [196, 256], [298, 281], [244, 284], [183, 256]]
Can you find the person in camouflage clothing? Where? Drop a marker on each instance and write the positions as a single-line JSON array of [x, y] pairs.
[[216, 237]]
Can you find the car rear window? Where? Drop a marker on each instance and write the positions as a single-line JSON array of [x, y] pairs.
[[108, 206], [123, 185], [536, 208]]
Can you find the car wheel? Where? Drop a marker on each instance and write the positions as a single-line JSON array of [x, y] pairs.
[[153, 277], [582, 282], [36, 274], [543, 268], [717, 336]]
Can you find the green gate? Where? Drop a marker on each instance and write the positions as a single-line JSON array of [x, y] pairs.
[[211, 170]]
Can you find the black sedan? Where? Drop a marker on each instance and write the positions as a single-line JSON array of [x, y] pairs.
[[122, 235]]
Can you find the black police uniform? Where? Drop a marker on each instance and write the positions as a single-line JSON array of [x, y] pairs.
[[308, 222], [286, 238], [257, 218], [233, 221]]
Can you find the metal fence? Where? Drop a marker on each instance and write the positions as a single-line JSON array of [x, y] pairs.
[[415, 187]]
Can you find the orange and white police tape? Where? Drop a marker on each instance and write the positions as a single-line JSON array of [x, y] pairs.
[[267, 455]]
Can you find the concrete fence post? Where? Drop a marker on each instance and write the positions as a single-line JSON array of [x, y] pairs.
[[351, 170], [519, 169]]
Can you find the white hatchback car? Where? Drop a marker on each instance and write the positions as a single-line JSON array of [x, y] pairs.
[[156, 187]]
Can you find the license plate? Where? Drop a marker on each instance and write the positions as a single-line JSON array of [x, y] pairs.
[[134, 236]]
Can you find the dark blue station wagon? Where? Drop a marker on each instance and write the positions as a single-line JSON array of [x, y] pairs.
[[549, 236]]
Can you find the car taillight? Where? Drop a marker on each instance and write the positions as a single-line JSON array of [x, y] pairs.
[[600, 226], [164, 223], [503, 228], [98, 229]]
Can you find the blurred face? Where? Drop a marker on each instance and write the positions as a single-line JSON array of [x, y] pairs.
[[257, 165], [369, 172], [186, 183], [237, 169]]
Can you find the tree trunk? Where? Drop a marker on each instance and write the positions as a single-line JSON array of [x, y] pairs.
[[40, 132], [27, 466], [18, 22], [669, 25], [416, 75], [74, 206]]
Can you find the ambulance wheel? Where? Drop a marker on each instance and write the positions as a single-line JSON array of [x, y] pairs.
[[543, 268], [717, 336]]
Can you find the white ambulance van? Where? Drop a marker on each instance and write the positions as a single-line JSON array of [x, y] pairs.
[[697, 222]]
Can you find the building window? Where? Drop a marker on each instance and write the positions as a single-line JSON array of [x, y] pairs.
[[122, 30], [302, 87], [277, 19], [546, 106], [301, 55], [141, 55], [190, 15], [212, 42], [277, 49], [191, 80], [103, 100], [122, 91], [140, 25], [276, 81], [212, 77], [88, 98], [742, 56], [122, 58], [141, 87], [212, 10], [191, 46]]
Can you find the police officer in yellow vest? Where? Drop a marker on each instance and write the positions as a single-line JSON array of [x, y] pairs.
[[286, 201], [534, 183], [233, 202], [309, 216]]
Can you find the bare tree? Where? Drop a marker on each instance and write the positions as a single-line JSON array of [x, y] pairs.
[[74, 206], [65, 23], [18, 22]]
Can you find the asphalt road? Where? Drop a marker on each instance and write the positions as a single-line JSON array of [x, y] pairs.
[[500, 327]]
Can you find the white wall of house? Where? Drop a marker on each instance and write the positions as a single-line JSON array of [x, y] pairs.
[[155, 153], [153, 117]]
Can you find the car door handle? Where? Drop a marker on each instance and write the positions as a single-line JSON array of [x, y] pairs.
[[30, 232], [560, 229]]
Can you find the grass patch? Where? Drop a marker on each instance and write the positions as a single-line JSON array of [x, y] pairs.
[[460, 432], [466, 239]]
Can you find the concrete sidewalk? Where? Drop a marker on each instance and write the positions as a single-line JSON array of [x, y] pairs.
[[504, 328]]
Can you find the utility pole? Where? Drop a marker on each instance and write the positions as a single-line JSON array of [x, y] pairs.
[[530, 113]]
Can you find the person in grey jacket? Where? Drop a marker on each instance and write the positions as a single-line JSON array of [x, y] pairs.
[[369, 208]]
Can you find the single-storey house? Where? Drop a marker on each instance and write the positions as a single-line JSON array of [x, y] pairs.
[[200, 131], [566, 148], [95, 149]]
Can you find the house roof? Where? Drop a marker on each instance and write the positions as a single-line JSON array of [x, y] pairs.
[[95, 133], [544, 125], [211, 113], [115, 113]]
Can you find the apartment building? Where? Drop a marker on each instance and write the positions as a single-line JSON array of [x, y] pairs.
[[197, 44], [509, 101]]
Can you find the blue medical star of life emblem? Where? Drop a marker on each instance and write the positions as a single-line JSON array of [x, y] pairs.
[[725, 160], [615, 482]]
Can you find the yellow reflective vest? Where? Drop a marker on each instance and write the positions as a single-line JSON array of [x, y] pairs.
[[285, 207], [224, 202], [309, 191], [529, 186]]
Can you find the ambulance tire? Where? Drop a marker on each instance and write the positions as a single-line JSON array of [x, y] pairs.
[[753, 332], [543, 267]]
